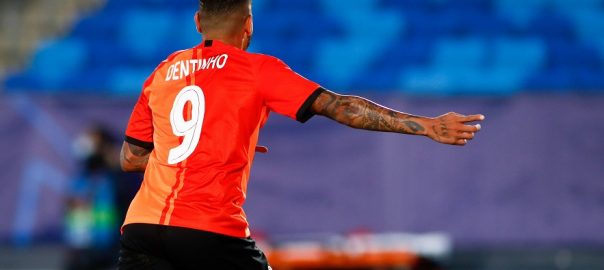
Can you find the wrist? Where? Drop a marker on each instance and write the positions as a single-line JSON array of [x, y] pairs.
[[426, 124]]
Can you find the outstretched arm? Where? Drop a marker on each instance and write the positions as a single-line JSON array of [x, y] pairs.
[[134, 158], [357, 112]]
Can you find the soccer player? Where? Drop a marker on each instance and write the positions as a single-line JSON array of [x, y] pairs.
[[194, 132]]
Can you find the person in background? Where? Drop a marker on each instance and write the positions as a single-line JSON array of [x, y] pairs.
[[92, 215]]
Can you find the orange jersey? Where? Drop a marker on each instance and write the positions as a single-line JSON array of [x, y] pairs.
[[201, 112]]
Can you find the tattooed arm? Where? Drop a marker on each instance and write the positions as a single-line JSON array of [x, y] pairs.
[[361, 113], [134, 158]]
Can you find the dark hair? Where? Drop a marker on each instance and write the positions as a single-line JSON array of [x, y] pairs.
[[220, 7]]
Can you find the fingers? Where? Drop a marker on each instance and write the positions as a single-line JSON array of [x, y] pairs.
[[461, 138], [454, 141], [457, 142], [461, 142], [472, 118], [466, 135], [470, 128]]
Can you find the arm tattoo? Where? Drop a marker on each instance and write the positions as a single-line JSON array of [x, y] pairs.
[[361, 113], [134, 157], [441, 131], [138, 151]]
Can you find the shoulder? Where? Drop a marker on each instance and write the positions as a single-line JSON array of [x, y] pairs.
[[262, 59], [176, 55], [160, 70], [264, 62]]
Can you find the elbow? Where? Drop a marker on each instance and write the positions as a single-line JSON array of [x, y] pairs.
[[126, 167], [133, 163]]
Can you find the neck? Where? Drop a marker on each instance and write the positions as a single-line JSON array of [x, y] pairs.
[[226, 39]]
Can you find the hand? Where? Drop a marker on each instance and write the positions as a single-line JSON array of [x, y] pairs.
[[451, 128]]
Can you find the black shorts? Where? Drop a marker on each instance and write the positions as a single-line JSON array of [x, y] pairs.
[[146, 246]]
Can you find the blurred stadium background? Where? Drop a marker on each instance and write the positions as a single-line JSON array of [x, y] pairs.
[[527, 194]]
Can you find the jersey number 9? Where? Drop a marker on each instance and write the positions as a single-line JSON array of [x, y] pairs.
[[189, 129]]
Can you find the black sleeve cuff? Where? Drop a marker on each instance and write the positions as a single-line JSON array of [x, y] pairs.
[[139, 143], [305, 112]]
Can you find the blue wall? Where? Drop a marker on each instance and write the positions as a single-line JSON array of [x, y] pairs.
[[534, 175], [431, 47]]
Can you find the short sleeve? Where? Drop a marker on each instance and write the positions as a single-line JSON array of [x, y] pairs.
[[285, 91], [140, 127]]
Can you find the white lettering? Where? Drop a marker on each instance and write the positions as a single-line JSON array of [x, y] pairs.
[[222, 63], [169, 72], [182, 69], [193, 65], [212, 62], [176, 71]]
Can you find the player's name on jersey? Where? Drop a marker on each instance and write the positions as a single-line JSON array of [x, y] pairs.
[[184, 68]]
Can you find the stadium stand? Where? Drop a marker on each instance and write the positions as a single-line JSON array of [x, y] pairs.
[[26, 23], [444, 47]]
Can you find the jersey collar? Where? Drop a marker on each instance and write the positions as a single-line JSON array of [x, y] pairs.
[[208, 43]]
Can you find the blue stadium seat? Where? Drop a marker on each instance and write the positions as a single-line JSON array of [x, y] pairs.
[[155, 4], [411, 51], [406, 5], [566, 80], [146, 38], [104, 26], [519, 53], [23, 81], [89, 80], [590, 26], [502, 81], [463, 52], [431, 46], [563, 53], [558, 79], [549, 25], [422, 80], [128, 81], [57, 61], [590, 80], [184, 33], [461, 81], [574, 5], [286, 6], [103, 54], [520, 12]]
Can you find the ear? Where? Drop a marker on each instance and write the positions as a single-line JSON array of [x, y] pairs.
[[198, 21], [249, 26]]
